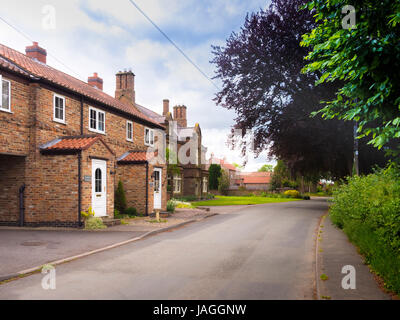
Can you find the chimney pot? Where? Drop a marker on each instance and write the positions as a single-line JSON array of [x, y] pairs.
[[36, 52], [125, 87], [95, 81], [180, 115], [165, 107]]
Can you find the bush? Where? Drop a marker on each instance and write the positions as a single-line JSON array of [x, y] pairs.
[[120, 198], [209, 196], [187, 198], [223, 183], [368, 210], [214, 173], [292, 194], [94, 223], [131, 212], [171, 206]]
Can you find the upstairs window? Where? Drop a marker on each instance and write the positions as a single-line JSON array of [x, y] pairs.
[[5, 93], [129, 131], [177, 183], [59, 108], [149, 137], [97, 120]]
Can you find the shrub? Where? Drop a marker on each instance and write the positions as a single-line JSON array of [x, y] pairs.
[[187, 198], [94, 223], [305, 197], [209, 196], [292, 194], [87, 214], [223, 183], [214, 174], [131, 212], [171, 206], [368, 210], [120, 198]]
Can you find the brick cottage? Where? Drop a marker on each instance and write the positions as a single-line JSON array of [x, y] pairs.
[[65, 144]]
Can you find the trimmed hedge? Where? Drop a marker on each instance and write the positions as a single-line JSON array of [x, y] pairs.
[[367, 208]]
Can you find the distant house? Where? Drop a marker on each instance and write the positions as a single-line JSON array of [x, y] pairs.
[[254, 180], [230, 169]]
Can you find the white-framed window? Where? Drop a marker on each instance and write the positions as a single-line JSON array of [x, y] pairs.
[[5, 94], [97, 120], [129, 130], [58, 108], [205, 184], [148, 137], [177, 183]]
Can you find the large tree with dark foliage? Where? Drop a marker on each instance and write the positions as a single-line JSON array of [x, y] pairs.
[[260, 69]]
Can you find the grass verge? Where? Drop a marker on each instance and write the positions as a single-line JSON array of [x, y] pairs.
[[232, 200]]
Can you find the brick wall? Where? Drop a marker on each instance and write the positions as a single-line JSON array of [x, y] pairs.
[[14, 128], [52, 180]]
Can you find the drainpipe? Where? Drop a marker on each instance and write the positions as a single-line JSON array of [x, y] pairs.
[[80, 173], [81, 115], [21, 206], [147, 188], [79, 189]]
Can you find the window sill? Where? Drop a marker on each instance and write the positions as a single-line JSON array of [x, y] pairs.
[[60, 121], [130, 140], [97, 131], [6, 110]]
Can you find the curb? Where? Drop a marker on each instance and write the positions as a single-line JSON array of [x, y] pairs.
[[88, 253], [317, 258]]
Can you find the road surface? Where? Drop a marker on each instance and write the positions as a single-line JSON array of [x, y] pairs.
[[260, 252]]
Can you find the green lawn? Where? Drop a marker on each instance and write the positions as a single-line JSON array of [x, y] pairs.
[[229, 200]]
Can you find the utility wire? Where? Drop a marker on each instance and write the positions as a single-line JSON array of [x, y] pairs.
[[28, 38], [173, 43]]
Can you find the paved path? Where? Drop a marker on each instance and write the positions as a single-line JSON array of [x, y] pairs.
[[260, 252], [334, 252], [23, 249]]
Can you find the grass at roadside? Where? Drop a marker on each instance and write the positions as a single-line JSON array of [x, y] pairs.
[[231, 200]]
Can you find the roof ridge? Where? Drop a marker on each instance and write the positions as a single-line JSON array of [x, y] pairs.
[[87, 89]]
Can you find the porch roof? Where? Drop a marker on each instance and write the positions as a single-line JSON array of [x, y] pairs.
[[71, 144]]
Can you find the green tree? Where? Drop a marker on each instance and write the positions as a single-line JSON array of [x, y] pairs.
[[120, 198], [266, 168], [365, 58], [214, 174], [280, 175], [223, 183]]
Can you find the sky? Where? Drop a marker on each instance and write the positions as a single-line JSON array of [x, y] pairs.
[[82, 37]]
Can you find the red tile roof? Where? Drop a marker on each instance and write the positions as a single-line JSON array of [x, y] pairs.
[[57, 77], [70, 143], [137, 156], [255, 177]]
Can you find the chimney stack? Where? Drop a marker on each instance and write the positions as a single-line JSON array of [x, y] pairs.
[[180, 116], [36, 52], [125, 87], [95, 81], [165, 107]]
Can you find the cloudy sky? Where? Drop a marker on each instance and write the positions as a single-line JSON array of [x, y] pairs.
[[108, 36]]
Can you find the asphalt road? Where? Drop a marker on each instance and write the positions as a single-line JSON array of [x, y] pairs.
[[260, 252]]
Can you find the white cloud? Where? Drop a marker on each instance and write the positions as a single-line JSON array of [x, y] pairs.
[[108, 36]]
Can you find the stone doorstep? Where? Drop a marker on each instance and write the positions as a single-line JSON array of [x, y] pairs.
[[109, 222], [163, 214]]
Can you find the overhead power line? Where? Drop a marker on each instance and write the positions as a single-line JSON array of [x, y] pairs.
[[173, 43], [30, 39]]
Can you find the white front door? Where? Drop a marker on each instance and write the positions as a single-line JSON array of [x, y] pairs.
[[99, 187], [157, 188]]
